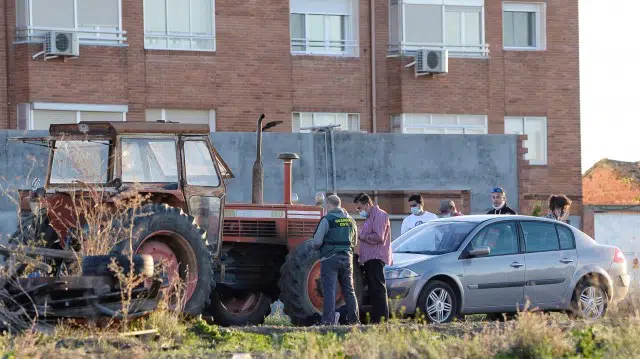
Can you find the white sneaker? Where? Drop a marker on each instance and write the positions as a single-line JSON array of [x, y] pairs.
[[336, 322]]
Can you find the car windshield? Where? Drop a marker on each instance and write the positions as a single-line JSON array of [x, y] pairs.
[[85, 161], [433, 238]]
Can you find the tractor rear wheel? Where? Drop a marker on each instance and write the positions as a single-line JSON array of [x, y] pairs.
[[172, 237], [234, 307], [301, 287]]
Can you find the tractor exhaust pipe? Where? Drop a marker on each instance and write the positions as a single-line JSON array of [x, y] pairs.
[[287, 158], [257, 184]]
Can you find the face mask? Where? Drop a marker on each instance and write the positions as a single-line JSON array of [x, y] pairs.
[[364, 214], [415, 210]]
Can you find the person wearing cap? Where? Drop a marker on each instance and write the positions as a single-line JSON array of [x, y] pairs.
[[499, 199], [448, 209]]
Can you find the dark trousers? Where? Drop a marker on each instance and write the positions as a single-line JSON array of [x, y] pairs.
[[377, 290], [338, 267]]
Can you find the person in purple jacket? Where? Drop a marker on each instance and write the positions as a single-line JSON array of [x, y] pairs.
[[375, 253]]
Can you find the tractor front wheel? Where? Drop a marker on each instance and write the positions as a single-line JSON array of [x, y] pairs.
[[301, 287]]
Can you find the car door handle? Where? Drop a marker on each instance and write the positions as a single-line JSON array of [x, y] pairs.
[[516, 265], [566, 260]]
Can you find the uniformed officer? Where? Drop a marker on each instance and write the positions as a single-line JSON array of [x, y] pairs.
[[335, 237]]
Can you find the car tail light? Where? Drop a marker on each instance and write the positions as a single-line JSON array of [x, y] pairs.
[[618, 257]]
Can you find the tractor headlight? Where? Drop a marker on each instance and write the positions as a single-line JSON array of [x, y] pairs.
[[399, 273]]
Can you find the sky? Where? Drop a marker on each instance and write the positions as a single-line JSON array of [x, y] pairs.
[[609, 80]]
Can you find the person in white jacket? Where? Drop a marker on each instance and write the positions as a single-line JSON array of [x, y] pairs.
[[418, 215]]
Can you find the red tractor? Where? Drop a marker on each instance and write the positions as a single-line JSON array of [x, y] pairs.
[[263, 254]]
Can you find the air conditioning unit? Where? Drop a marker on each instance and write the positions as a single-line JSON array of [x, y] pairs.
[[61, 43], [432, 61]]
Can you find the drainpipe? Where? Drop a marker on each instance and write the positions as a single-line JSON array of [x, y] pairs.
[[333, 160], [326, 160], [372, 21]]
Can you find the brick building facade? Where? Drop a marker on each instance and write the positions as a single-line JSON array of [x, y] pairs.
[[611, 190], [513, 67]]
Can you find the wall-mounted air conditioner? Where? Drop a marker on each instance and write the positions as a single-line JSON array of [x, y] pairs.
[[432, 61], [61, 43]]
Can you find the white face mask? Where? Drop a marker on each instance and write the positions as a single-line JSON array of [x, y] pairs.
[[415, 210], [364, 214], [500, 206]]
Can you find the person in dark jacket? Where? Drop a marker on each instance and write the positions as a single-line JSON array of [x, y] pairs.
[[499, 199], [336, 237], [559, 208]]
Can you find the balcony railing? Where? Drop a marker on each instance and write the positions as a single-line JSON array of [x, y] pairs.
[[324, 47], [179, 41], [91, 35], [411, 48]]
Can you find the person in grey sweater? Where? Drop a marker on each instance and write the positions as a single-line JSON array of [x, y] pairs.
[[335, 238]]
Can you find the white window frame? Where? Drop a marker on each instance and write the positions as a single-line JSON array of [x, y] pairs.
[[399, 123], [314, 114], [544, 160], [212, 115], [71, 107], [473, 51], [35, 34], [349, 43], [540, 9], [168, 36]]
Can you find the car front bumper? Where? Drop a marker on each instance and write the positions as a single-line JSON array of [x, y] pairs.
[[403, 294]]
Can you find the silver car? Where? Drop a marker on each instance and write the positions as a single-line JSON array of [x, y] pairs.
[[450, 267]]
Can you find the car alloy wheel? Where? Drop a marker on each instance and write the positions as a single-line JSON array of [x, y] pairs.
[[439, 305], [592, 302]]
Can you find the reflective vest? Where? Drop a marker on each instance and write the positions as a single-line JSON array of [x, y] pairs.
[[338, 237]]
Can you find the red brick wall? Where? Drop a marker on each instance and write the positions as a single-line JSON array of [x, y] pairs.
[[604, 186], [253, 72]]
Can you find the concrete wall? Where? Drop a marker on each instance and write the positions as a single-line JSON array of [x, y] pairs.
[[364, 162]]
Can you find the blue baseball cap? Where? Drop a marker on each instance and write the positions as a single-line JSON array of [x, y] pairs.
[[497, 190]]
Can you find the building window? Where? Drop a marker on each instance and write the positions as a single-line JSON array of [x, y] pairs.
[[202, 117], [523, 26], [303, 121], [39, 116], [456, 25], [179, 25], [536, 130], [324, 27], [440, 124], [96, 21]]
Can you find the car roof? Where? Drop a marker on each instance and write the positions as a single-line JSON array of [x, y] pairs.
[[479, 218]]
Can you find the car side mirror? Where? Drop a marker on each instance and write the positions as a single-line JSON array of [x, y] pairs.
[[479, 252]]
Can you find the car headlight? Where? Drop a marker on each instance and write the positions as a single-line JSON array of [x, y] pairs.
[[399, 273]]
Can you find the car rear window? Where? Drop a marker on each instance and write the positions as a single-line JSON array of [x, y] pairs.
[[540, 237], [567, 241]]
